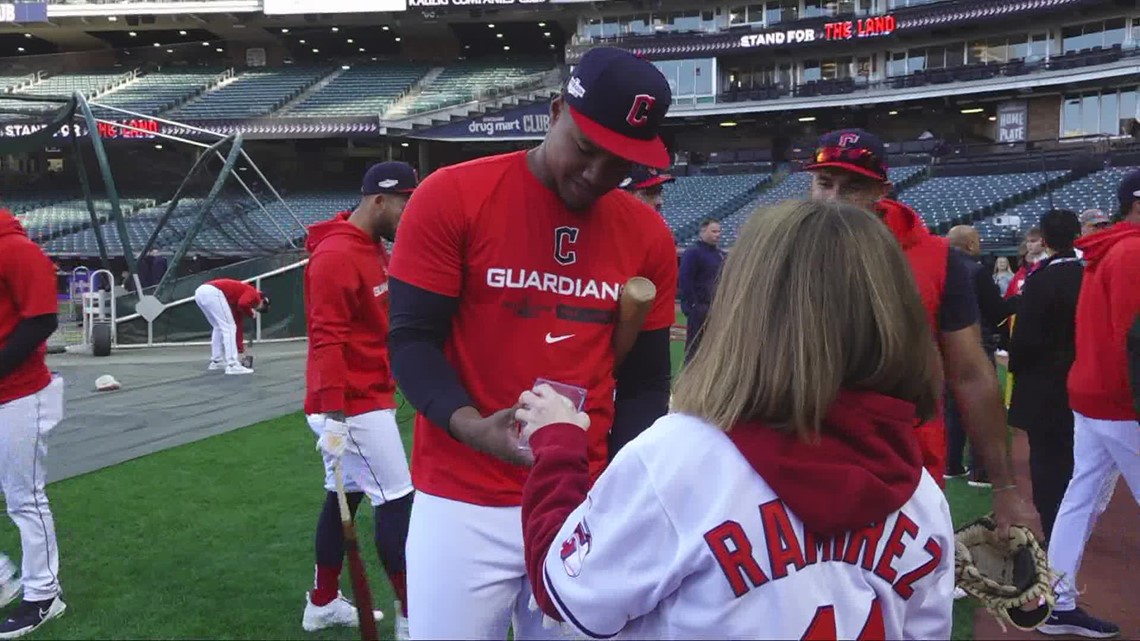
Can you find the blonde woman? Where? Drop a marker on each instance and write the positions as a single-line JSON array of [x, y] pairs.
[[1002, 273], [786, 497]]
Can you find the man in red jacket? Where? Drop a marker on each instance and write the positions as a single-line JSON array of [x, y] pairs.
[[1106, 437], [350, 396], [226, 303], [31, 405], [850, 165]]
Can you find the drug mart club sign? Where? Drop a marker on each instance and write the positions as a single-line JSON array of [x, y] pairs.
[[843, 30]]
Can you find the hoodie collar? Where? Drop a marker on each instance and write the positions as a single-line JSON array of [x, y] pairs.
[[904, 222], [866, 465], [1095, 246], [338, 226], [9, 224]]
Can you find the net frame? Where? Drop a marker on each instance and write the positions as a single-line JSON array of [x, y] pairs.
[[226, 147]]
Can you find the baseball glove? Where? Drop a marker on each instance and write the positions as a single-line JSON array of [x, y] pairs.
[[1011, 578]]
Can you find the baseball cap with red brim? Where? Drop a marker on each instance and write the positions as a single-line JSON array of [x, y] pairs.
[[619, 100], [642, 177], [852, 150]]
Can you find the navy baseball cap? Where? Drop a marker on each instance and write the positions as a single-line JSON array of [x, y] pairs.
[[1129, 190], [619, 101], [852, 150], [390, 177], [642, 177]]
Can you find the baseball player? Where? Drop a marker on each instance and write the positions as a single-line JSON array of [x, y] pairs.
[[1106, 434], [784, 502], [350, 395], [648, 184], [31, 405], [226, 303], [850, 166], [509, 269]]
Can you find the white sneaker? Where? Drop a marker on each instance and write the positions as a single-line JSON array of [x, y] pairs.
[[234, 370], [336, 612], [402, 633], [10, 586], [215, 365], [959, 593]]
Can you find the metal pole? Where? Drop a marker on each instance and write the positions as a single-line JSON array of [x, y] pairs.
[[85, 184], [215, 191], [108, 181]]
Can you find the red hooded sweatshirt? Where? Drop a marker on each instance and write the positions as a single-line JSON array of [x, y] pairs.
[[866, 465], [27, 290], [346, 310], [1107, 306], [927, 255], [242, 298]]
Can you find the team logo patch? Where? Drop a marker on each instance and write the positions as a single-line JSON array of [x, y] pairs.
[[848, 138], [575, 548], [389, 183], [639, 111], [564, 239]]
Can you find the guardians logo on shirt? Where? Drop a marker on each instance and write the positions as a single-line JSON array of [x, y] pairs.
[[507, 278], [575, 548]]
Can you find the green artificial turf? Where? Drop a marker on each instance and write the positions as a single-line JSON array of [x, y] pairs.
[[215, 540]]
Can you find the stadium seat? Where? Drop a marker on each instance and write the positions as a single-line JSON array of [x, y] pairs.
[[465, 82], [158, 91], [948, 200], [362, 90], [1095, 190], [251, 94]]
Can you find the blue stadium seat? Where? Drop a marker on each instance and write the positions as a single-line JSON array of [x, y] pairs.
[[362, 90], [251, 94]]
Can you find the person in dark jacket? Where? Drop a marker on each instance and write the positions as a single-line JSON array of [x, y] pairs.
[[700, 266], [992, 312], [1042, 349]]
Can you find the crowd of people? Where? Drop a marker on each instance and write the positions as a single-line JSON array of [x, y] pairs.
[[837, 357]]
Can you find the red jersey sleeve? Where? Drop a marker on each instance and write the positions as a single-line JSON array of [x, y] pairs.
[[661, 268], [30, 276], [330, 314], [429, 249]]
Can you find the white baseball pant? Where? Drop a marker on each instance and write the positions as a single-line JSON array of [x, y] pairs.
[[374, 461], [24, 424], [223, 341], [467, 574], [1102, 451]]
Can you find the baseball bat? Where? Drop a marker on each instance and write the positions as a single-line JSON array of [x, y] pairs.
[[633, 306], [361, 593]]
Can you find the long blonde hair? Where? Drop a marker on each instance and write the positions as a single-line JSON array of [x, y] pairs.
[[815, 297]]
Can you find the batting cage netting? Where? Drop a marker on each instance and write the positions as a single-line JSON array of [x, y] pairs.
[[137, 211]]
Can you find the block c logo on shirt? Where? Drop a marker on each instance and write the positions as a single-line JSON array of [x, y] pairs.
[[564, 237], [575, 548]]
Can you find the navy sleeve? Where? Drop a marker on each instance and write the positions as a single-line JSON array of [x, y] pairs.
[[28, 335], [687, 281], [420, 322], [642, 384], [959, 308]]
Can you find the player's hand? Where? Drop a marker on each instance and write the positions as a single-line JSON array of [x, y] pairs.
[[334, 437], [543, 406], [497, 434], [1011, 509]]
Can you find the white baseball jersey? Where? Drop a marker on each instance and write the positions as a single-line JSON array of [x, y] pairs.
[[682, 538]]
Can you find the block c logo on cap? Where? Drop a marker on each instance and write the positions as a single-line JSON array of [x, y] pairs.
[[639, 112], [848, 138]]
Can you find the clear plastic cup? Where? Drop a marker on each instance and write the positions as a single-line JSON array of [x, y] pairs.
[[577, 395]]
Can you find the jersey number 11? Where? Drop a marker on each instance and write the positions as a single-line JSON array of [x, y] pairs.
[[822, 627]]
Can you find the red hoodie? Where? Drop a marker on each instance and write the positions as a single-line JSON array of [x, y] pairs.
[[346, 310], [1107, 306], [866, 465], [927, 255], [27, 290], [242, 298]]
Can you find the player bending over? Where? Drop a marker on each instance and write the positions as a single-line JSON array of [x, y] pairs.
[[850, 166], [787, 501], [350, 391], [509, 269], [31, 404], [226, 303]]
